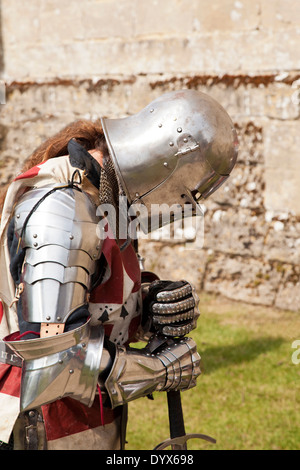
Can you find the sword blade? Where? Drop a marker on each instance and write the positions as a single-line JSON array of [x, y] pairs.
[[176, 421]]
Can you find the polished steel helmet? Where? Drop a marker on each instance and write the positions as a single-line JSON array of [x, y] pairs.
[[179, 149]]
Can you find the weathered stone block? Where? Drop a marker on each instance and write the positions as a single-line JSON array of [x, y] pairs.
[[243, 189], [282, 241], [282, 141], [167, 18], [281, 101], [244, 279], [232, 231], [282, 166], [288, 295], [226, 15], [196, 53], [174, 261], [279, 14]]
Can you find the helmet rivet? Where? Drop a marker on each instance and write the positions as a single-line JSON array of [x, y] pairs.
[[136, 194], [71, 237], [35, 235], [179, 129], [165, 163], [185, 139], [151, 110], [171, 144], [159, 125]]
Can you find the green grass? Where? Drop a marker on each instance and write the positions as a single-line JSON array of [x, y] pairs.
[[248, 394]]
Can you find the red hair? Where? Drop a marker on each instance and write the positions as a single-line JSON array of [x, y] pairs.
[[89, 134]]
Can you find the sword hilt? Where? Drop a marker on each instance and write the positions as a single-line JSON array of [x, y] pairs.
[[178, 437]]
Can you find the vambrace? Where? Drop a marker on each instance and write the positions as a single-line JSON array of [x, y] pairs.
[[68, 364], [136, 373], [72, 364]]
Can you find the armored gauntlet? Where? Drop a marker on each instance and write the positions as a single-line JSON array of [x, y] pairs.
[[171, 308], [71, 364], [136, 373]]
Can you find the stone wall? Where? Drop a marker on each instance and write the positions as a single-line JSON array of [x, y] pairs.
[[1, 45], [64, 60]]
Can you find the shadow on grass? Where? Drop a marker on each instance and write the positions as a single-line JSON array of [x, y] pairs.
[[214, 358]]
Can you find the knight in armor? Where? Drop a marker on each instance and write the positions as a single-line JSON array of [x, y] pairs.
[[73, 301]]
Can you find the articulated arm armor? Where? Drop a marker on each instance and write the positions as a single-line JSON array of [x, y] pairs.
[[62, 251], [173, 366]]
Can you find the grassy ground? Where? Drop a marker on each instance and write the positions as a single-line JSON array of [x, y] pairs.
[[248, 394]]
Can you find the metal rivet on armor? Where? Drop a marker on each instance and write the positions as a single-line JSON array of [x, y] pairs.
[[179, 129], [31, 413], [160, 124], [71, 371], [48, 318], [71, 237], [83, 345], [35, 235], [166, 164], [171, 144], [35, 244], [185, 139], [18, 216], [136, 194], [60, 361], [58, 318], [151, 110]]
